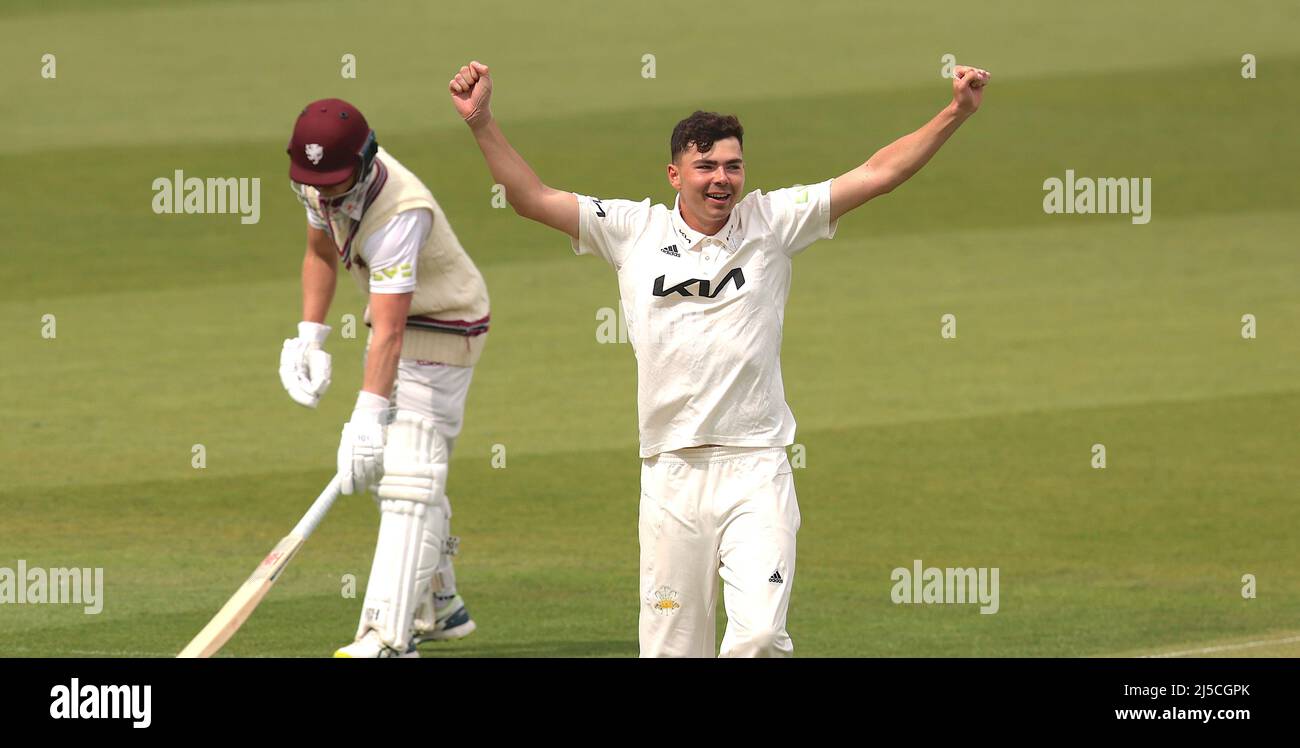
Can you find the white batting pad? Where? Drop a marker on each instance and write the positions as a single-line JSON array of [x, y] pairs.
[[412, 528]]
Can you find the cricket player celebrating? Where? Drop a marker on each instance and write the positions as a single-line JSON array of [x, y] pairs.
[[703, 286], [428, 314]]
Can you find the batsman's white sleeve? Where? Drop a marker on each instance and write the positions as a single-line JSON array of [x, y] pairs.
[[391, 252]]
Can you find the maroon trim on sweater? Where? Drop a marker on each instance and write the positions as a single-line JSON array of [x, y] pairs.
[[456, 322], [453, 326], [345, 252]]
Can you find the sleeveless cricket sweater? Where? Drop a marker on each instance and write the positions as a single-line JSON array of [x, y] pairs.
[[449, 316]]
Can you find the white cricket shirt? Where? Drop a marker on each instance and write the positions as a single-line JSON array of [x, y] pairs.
[[704, 313]]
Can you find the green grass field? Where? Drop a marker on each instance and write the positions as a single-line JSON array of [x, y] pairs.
[[1072, 330]]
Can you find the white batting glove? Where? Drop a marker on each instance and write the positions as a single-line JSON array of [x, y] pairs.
[[361, 450], [304, 367]]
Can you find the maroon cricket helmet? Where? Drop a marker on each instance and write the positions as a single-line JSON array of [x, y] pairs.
[[330, 140]]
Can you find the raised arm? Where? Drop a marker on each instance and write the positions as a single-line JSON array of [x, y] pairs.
[[471, 93], [897, 162]]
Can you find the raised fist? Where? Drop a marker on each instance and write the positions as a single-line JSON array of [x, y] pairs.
[[968, 87], [471, 90]]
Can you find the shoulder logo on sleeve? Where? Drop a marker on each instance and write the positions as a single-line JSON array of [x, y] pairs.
[[315, 152], [801, 196], [671, 250], [404, 270], [600, 209]]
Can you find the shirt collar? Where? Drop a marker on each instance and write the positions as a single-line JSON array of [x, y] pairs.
[[353, 204], [729, 236]]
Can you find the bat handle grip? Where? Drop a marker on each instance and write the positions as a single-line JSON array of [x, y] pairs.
[[318, 509]]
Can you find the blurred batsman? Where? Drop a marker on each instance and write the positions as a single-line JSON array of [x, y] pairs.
[[428, 320], [703, 285]]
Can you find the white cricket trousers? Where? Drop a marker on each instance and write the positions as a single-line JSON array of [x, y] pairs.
[[710, 512], [436, 391]]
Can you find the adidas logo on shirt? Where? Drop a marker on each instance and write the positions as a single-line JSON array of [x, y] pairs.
[[671, 249], [776, 578]]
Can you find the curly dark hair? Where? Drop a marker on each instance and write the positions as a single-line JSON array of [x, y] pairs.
[[704, 129]]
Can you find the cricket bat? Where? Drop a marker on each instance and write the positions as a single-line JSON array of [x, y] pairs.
[[240, 606]]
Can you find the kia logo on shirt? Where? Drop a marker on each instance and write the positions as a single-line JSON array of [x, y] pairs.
[[683, 287]]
